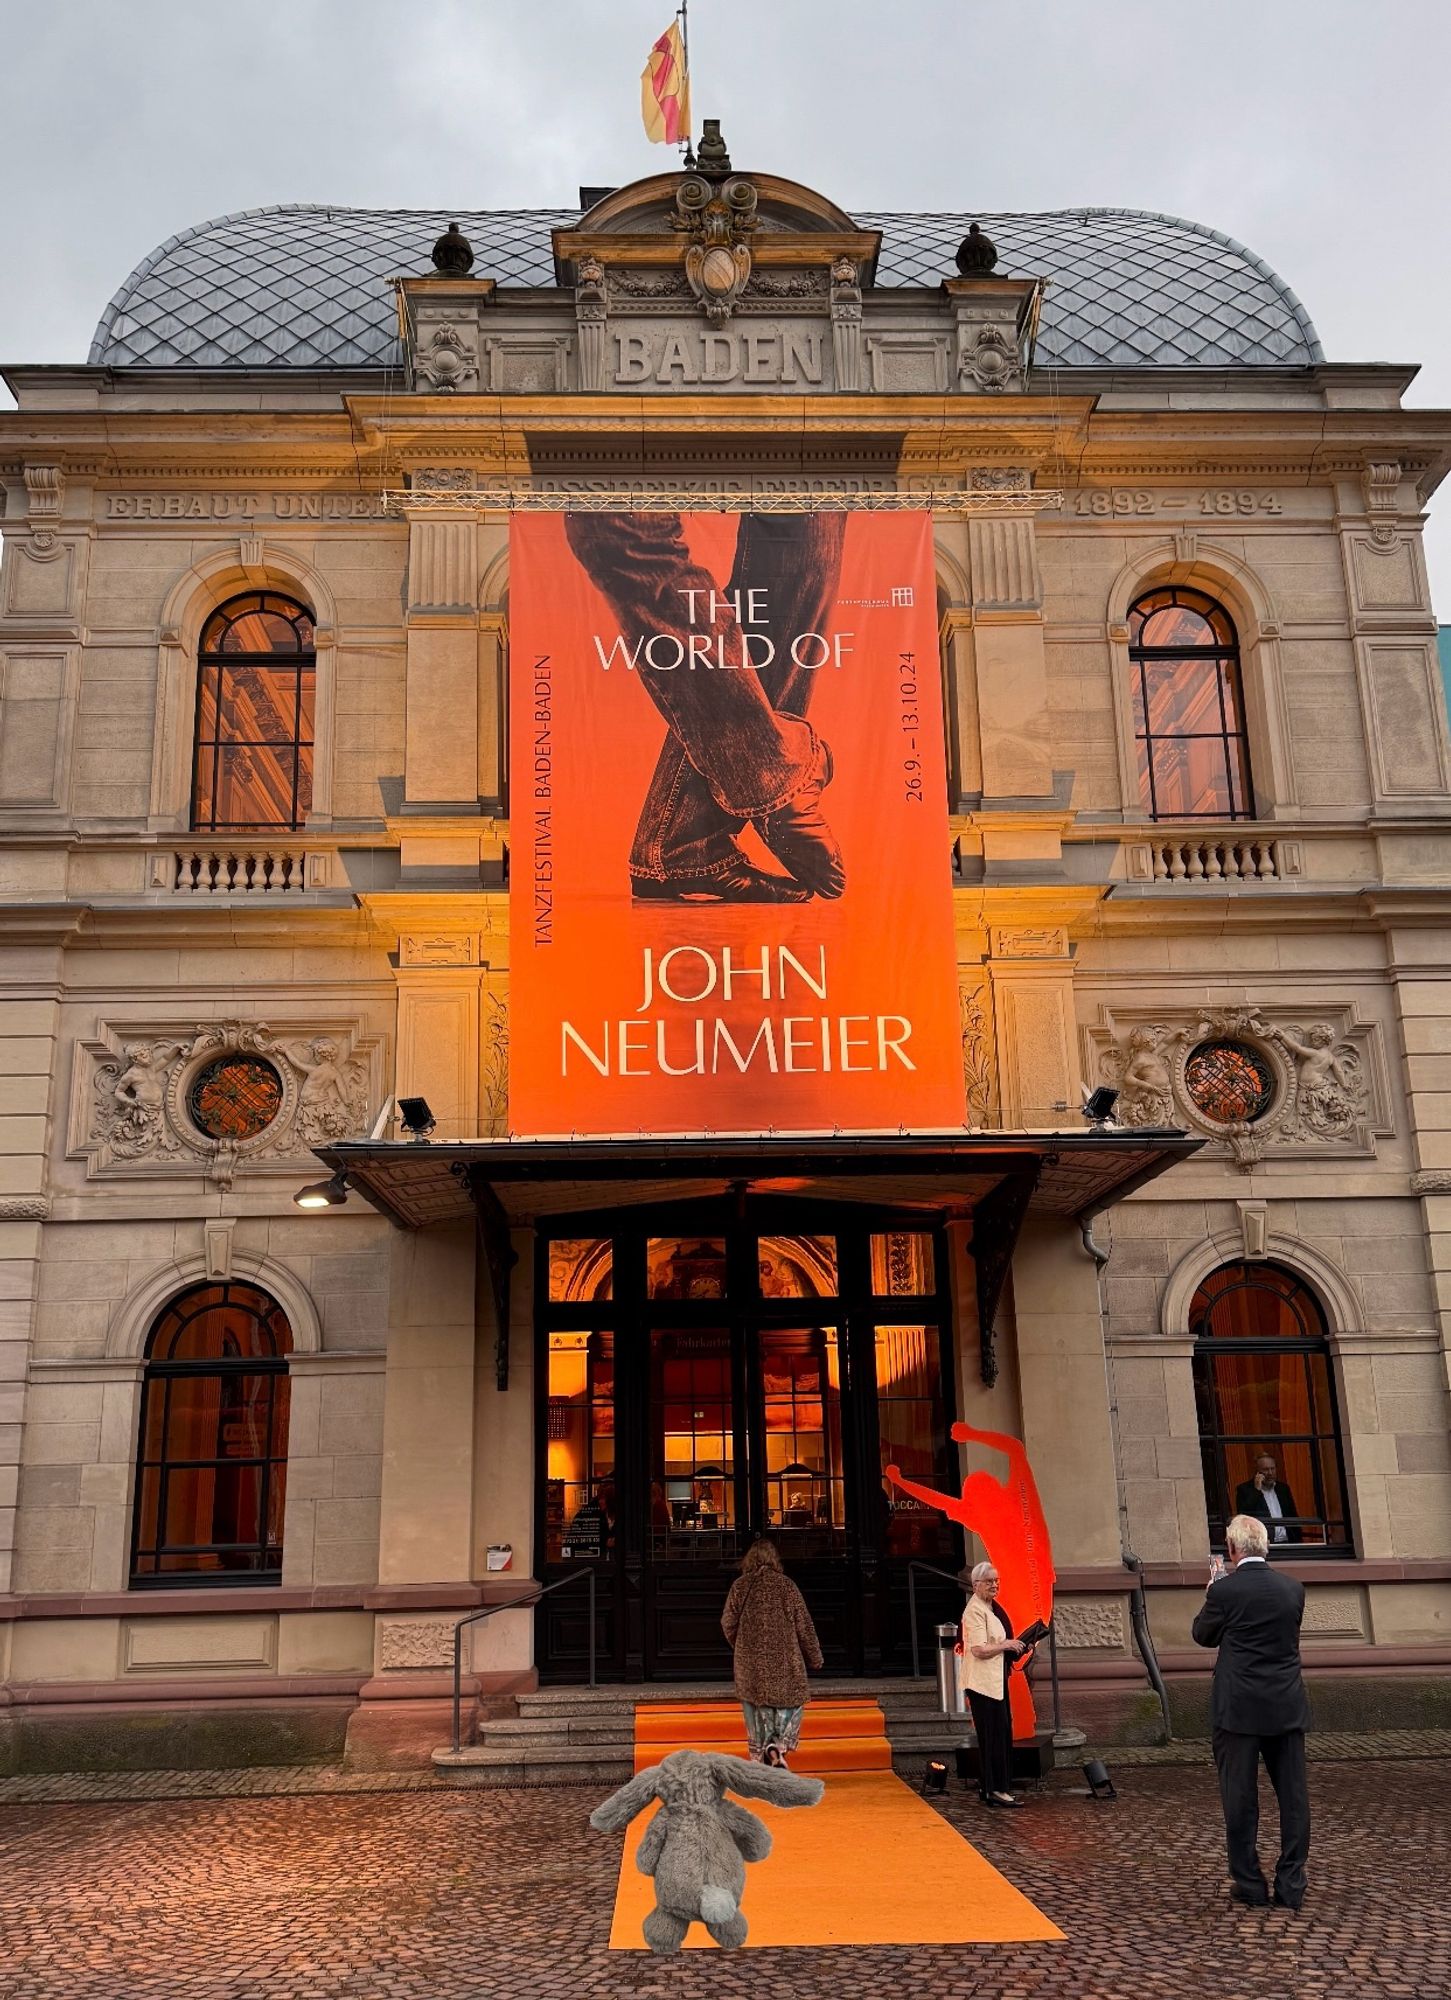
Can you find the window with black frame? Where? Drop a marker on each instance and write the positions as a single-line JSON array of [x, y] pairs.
[[211, 1467], [256, 669], [1269, 1429], [1189, 728]]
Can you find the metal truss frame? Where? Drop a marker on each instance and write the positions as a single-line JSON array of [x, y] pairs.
[[777, 499]]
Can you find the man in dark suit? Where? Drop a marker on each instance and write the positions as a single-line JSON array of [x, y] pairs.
[[1258, 1708], [1268, 1499]]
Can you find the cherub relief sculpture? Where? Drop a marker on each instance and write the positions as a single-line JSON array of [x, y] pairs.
[[328, 1098], [697, 1845], [1331, 1089], [1007, 1517], [1146, 1085], [132, 1097]]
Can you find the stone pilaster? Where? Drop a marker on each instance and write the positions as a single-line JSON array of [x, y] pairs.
[[1009, 657]]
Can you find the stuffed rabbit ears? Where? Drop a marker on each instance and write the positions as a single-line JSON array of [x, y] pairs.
[[621, 1806], [766, 1781]]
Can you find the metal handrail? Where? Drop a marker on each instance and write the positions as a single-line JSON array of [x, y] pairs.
[[951, 1576], [515, 1604], [947, 1575]]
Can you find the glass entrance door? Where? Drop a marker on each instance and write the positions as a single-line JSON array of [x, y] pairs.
[[706, 1384]]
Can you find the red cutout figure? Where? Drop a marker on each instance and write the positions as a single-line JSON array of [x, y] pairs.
[[1007, 1517]]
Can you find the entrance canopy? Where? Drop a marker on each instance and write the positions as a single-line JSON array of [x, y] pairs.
[[1074, 1174], [993, 1178]]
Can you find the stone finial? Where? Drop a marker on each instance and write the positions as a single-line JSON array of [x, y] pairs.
[[453, 254], [711, 156], [976, 253]]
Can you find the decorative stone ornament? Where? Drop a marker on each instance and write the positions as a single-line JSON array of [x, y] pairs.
[[976, 254], [1244, 1077], [712, 158], [453, 254], [448, 362], [988, 359], [217, 1096], [718, 262]]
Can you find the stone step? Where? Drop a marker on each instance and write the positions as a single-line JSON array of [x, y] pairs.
[[550, 1764], [563, 1701], [586, 1736], [526, 1730]]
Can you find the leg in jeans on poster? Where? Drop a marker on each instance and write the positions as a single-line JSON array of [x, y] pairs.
[[1237, 1760], [739, 747], [1285, 1761]]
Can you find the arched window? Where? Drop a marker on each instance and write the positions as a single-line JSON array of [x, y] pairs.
[[1269, 1432], [254, 715], [1189, 733], [211, 1467]]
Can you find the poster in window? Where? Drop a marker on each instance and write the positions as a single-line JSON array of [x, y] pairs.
[[730, 867]]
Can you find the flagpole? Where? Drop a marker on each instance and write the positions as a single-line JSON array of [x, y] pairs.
[[682, 14]]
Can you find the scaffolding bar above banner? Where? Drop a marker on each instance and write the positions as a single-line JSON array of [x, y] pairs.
[[778, 499]]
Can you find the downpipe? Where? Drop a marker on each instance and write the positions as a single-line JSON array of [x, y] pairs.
[[1138, 1600]]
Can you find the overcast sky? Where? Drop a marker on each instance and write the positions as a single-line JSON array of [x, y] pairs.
[[1312, 130]]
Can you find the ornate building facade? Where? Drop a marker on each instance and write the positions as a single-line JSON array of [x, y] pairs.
[[255, 835]]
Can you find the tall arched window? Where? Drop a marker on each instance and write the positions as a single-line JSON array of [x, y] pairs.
[[254, 715], [211, 1466], [1189, 732], [1269, 1431]]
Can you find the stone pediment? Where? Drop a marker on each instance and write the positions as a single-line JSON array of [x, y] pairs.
[[791, 223], [711, 280]]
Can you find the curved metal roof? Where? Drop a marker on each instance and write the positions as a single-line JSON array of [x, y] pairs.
[[307, 286]]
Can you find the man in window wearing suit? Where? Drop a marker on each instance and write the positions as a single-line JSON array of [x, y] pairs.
[[1268, 1499], [1258, 1708]]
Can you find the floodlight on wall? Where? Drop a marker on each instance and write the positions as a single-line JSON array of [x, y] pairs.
[[330, 1193], [1098, 1105], [418, 1120], [1100, 1784]]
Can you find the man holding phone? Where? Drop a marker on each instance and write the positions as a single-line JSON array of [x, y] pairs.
[[1258, 1708], [1267, 1499]]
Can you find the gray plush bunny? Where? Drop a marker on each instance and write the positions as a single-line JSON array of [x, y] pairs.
[[699, 1842]]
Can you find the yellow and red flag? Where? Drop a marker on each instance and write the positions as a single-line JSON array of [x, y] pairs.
[[665, 90]]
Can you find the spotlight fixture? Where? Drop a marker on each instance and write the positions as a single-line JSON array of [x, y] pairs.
[[323, 1194], [934, 1775], [418, 1120], [1098, 1105], [1100, 1784]]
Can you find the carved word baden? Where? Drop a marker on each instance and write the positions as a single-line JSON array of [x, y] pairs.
[[753, 356]]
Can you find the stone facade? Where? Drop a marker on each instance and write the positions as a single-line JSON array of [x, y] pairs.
[[1092, 941]]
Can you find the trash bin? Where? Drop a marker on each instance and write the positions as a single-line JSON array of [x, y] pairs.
[[950, 1697]]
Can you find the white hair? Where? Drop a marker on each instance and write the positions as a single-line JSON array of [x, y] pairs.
[[981, 1570], [1247, 1536]]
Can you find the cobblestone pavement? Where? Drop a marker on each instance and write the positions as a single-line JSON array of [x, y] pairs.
[[448, 1895], [262, 1781]]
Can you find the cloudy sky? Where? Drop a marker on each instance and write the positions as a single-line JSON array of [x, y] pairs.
[[1313, 130]]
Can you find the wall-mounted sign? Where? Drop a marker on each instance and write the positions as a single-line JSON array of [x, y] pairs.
[[730, 892]]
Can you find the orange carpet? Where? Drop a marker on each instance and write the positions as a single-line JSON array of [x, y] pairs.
[[872, 1864], [835, 1735]]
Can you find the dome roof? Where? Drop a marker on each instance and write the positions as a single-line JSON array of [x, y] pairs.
[[308, 286]]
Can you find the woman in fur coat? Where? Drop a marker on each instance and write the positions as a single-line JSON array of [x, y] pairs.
[[767, 1623]]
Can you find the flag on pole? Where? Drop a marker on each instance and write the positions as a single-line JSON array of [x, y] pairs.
[[665, 90]]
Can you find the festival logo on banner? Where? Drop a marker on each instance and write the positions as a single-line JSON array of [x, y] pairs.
[[731, 904]]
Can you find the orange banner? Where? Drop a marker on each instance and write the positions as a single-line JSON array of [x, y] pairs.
[[730, 902]]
